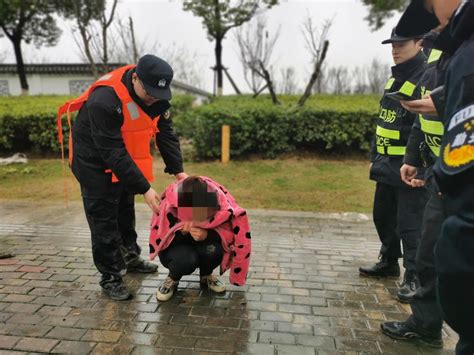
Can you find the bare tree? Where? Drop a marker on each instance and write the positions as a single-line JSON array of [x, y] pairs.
[[289, 83], [377, 74], [360, 86], [105, 23], [339, 80], [317, 44], [256, 48], [83, 13], [255, 44]]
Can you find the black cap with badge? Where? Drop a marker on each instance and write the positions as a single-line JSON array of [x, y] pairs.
[[395, 37], [156, 76], [416, 20]]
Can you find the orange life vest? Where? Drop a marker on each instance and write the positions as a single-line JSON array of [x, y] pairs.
[[137, 129]]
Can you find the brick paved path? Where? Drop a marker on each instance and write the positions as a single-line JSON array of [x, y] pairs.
[[304, 295]]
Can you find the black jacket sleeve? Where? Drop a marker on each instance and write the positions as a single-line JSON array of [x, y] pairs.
[[412, 156], [106, 122], [438, 96], [169, 147]]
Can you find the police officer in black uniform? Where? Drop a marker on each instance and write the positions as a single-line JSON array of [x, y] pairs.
[[454, 170], [98, 146], [398, 209], [426, 321]]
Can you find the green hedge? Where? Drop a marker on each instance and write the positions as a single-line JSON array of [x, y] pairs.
[[29, 123], [335, 123]]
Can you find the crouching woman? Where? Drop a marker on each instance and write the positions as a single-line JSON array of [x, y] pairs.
[[200, 226]]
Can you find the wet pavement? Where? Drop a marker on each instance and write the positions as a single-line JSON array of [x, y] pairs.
[[303, 296]]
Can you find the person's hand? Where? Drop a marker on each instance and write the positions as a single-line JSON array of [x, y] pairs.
[[181, 176], [424, 106], [408, 173], [152, 200], [187, 227], [198, 234], [417, 183]]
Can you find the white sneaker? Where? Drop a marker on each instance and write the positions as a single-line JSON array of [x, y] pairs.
[[166, 289], [213, 283]]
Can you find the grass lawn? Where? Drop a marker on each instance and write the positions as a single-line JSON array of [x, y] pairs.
[[290, 183]]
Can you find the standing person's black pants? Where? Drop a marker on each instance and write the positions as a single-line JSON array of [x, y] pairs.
[[454, 256], [398, 213], [426, 312], [114, 239], [184, 255]]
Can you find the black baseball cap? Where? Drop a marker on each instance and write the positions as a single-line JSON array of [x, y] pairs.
[[416, 20], [395, 37], [156, 76]]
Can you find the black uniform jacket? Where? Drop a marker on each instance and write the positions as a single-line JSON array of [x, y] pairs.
[[98, 144], [459, 105], [386, 169], [433, 78]]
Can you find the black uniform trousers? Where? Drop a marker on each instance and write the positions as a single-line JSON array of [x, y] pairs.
[[398, 213], [112, 225], [184, 255], [454, 256], [426, 313]]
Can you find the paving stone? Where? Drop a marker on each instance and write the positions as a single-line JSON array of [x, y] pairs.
[[66, 333], [276, 338], [36, 344], [303, 295], [73, 347], [7, 342]]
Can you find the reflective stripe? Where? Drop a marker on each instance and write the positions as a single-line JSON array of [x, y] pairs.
[[435, 54], [387, 133], [435, 150], [408, 88], [390, 150], [396, 150], [389, 84], [431, 127], [133, 110]]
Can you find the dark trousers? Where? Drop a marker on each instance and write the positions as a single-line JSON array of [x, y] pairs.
[[398, 213], [454, 256], [184, 255], [426, 312], [112, 225]]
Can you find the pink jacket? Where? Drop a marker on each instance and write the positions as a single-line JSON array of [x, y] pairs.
[[230, 222]]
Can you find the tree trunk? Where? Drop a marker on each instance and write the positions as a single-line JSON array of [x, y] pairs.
[[268, 79], [20, 66], [134, 43], [105, 58], [218, 68], [314, 76]]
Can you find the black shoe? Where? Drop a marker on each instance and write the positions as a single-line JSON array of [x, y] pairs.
[[116, 290], [402, 331], [408, 287], [383, 268], [141, 265]]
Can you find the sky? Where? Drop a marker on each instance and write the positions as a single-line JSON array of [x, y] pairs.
[[352, 42]]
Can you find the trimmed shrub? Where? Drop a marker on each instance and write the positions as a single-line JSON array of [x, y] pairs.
[[29, 123]]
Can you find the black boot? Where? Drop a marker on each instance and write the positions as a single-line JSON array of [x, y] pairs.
[[408, 287], [403, 331], [141, 265], [114, 287], [383, 268]]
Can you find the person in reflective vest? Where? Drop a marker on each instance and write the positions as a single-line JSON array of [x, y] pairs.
[[454, 170], [426, 321], [397, 208], [109, 154]]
